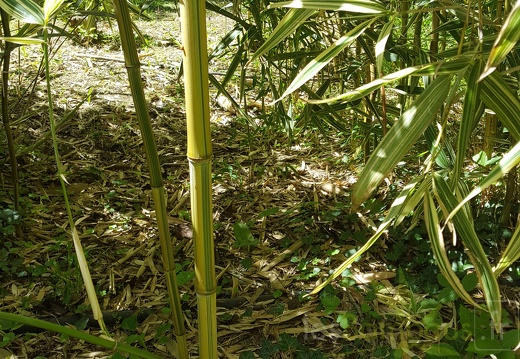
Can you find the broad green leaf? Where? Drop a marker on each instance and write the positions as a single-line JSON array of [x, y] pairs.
[[22, 40], [442, 350], [381, 44], [24, 10], [467, 122], [400, 139], [50, 7], [506, 40], [440, 150], [325, 57], [290, 22], [464, 228], [243, 236], [358, 6], [511, 253], [500, 98], [435, 68], [510, 160], [439, 250]]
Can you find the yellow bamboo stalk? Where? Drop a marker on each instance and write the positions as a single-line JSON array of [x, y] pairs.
[[193, 25], [132, 65]]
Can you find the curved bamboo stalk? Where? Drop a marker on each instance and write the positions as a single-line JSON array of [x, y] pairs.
[[193, 25], [134, 77]]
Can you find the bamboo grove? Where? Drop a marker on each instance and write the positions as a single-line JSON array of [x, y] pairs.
[[325, 65]]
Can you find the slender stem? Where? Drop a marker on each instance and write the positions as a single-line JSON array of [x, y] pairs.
[[5, 116], [104, 342], [80, 256], [132, 65]]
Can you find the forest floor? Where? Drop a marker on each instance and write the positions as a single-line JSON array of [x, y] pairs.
[[290, 198]]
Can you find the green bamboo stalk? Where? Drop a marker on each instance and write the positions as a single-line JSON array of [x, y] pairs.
[[5, 115], [101, 341], [193, 25], [134, 76]]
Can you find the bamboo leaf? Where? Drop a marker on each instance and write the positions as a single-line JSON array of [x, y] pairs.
[[23, 40], [435, 68], [511, 253], [358, 6], [466, 231], [87, 278], [236, 106], [325, 57], [467, 122], [505, 42], [500, 98], [222, 11], [510, 159], [439, 250], [414, 197], [50, 7], [381, 43], [286, 26], [24, 10], [400, 139]]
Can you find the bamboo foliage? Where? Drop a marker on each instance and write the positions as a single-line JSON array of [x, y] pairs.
[[193, 27], [505, 42], [439, 249], [132, 65], [400, 139], [460, 65]]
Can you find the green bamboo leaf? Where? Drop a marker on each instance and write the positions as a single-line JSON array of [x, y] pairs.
[[325, 57], [467, 123], [400, 139], [464, 13], [439, 250], [50, 7], [510, 160], [24, 10], [505, 42], [435, 68], [500, 98], [22, 40], [464, 227], [358, 6], [236, 106], [381, 43], [414, 197], [511, 253], [286, 26], [222, 11]]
